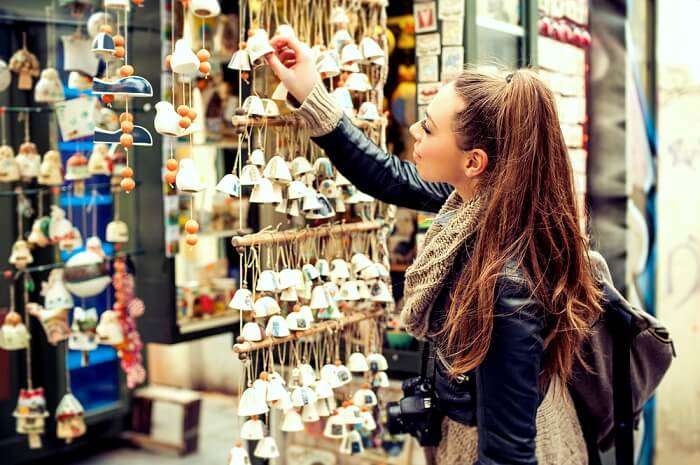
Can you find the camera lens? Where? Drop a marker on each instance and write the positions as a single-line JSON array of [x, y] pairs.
[[394, 422]]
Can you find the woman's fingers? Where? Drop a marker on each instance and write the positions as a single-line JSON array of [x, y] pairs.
[[286, 55], [280, 70]]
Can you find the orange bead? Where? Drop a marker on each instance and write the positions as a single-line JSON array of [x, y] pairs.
[[106, 28], [127, 127], [203, 54], [137, 2], [185, 3], [192, 115], [170, 177], [119, 40], [126, 70], [168, 58], [205, 67], [119, 52], [245, 75], [183, 110], [171, 164], [191, 239], [242, 45], [127, 172], [128, 185], [127, 140], [108, 98], [191, 227], [185, 122], [126, 117]]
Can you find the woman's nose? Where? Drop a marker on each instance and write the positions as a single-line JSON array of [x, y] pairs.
[[415, 131]]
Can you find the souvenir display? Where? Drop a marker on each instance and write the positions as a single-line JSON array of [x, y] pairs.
[[57, 303], [70, 420]]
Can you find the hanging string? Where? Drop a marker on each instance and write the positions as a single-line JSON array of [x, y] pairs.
[[28, 352]]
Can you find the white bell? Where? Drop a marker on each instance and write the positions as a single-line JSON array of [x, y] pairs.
[[301, 165], [309, 414], [383, 272], [341, 37], [339, 16], [328, 64], [109, 329], [167, 121], [350, 414], [253, 106], [251, 332], [307, 374], [370, 49], [349, 291], [275, 389], [368, 112], [252, 402], [358, 82], [277, 170], [250, 175], [311, 201], [359, 197], [280, 93], [205, 8], [296, 321], [332, 404], [357, 363], [370, 273], [381, 293], [323, 388], [271, 108], [286, 278], [323, 267], [239, 455], [350, 67], [322, 408], [188, 179], [310, 272], [277, 327], [267, 282], [350, 54], [184, 60], [267, 448], [364, 397], [50, 172], [334, 427], [229, 185], [97, 163], [352, 444], [380, 380], [377, 362], [240, 60], [306, 313], [368, 421], [296, 190], [259, 46], [342, 97], [339, 270], [257, 157], [329, 374], [96, 20], [340, 180], [264, 192], [285, 402], [359, 262], [253, 429], [49, 88], [332, 292], [266, 306], [319, 298], [364, 290], [292, 422], [242, 300], [303, 395], [290, 295], [342, 373]]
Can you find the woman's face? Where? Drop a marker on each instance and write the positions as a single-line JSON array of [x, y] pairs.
[[436, 154]]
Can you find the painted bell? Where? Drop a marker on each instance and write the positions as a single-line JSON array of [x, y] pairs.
[[49, 88], [271, 108], [103, 45], [38, 236], [277, 170], [306, 313], [377, 362], [250, 175], [323, 388], [205, 8], [264, 192], [77, 168], [380, 380], [369, 273], [359, 262], [59, 226], [303, 395], [109, 329], [350, 414], [21, 256], [328, 64], [277, 327], [364, 397], [339, 270], [86, 274], [323, 267], [334, 428], [70, 419], [370, 49], [329, 374], [252, 332], [50, 169], [292, 422], [13, 333], [323, 168], [71, 241], [167, 121], [364, 290], [368, 111], [266, 306], [259, 46], [252, 402], [358, 82], [117, 232], [188, 178], [324, 211], [253, 429], [300, 166], [286, 278], [381, 292], [28, 160], [296, 321], [54, 322], [349, 291], [309, 414], [357, 363], [97, 163], [340, 38], [184, 60], [240, 60], [311, 201], [31, 415], [267, 448], [253, 106], [296, 190], [9, 169], [83, 330], [319, 298], [229, 185], [242, 300], [238, 455], [351, 443]]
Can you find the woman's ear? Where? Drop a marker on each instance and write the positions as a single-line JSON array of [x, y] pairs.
[[475, 162]]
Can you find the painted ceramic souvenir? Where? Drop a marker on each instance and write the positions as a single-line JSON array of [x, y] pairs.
[[109, 330], [21, 256], [29, 161], [77, 168], [83, 330], [49, 88], [31, 415], [38, 237], [117, 232], [15, 335], [26, 65], [9, 169], [73, 240], [50, 170], [54, 322], [86, 274], [70, 419], [60, 227], [97, 164]]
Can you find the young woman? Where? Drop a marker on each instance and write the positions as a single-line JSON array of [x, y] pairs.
[[503, 287]]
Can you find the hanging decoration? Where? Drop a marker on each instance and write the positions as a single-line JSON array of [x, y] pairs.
[[70, 419], [26, 65]]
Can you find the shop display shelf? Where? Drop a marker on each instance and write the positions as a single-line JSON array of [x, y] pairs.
[[217, 321], [103, 354]]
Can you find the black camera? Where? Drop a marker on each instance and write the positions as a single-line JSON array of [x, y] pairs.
[[417, 413]]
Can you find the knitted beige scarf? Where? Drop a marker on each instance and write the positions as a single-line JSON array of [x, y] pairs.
[[444, 242]]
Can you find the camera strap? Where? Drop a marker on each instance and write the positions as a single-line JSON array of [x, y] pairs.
[[427, 366]]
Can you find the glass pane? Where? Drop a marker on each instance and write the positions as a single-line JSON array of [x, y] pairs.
[[500, 33], [506, 11]]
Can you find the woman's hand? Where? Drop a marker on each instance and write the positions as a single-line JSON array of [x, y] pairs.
[[293, 63]]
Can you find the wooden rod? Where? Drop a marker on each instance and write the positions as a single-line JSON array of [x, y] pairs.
[[264, 238], [294, 121], [330, 325]]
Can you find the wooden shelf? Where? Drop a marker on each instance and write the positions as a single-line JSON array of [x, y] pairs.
[[270, 237], [295, 121]]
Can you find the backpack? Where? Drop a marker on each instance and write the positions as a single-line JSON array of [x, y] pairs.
[[627, 353]]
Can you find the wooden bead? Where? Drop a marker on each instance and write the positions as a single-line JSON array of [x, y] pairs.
[[127, 172], [170, 177], [205, 67], [106, 28], [191, 239], [108, 99], [119, 40], [203, 54], [183, 110], [192, 227], [128, 184], [126, 117], [127, 127], [126, 70], [185, 122], [171, 164], [119, 52], [127, 140], [192, 115]]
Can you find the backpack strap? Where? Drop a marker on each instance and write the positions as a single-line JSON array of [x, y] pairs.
[[622, 396]]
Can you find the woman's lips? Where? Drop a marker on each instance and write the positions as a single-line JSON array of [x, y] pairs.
[[416, 156]]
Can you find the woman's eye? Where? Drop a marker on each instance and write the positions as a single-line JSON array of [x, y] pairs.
[[424, 125]]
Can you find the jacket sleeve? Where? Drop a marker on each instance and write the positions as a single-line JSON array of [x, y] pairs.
[[381, 175], [507, 381]]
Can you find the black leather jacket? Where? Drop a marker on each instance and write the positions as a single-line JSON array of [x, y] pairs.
[[501, 396]]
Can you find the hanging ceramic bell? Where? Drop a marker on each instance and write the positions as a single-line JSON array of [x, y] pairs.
[[267, 282], [50, 169], [70, 419], [292, 422], [307, 375], [253, 429], [364, 397], [295, 321], [380, 380], [38, 236], [21, 256], [240, 61], [352, 444], [49, 88], [29, 161], [339, 16], [9, 169], [59, 227], [205, 8], [277, 170], [13, 333], [285, 402], [377, 362], [103, 46], [117, 232], [266, 306], [280, 93], [309, 414], [350, 53], [323, 388], [259, 46], [335, 428], [328, 64], [329, 374], [311, 201], [277, 327], [184, 60], [267, 448], [26, 65], [77, 168], [342, 373], [303, 395], [252, 402], [229, 185], [109, 330], [381, 292], [275, 389], [97, 163], [368, 111], [350, 414], [31, 414], [242, 300], [370, 273], [238, 455], [86, 274], [301, 166], [54, 321], [358, 82], [71, 242], [340, 38], [264, 192], [359, 262], [83, 331], [188, 178], [252, 332], [319, 298], [5, 76], [370, 49], [349, 291], [254, 106], [357, 363], [271, 108], [322, 408]]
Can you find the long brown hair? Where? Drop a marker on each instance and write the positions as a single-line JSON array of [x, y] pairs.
[[530, 219]]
